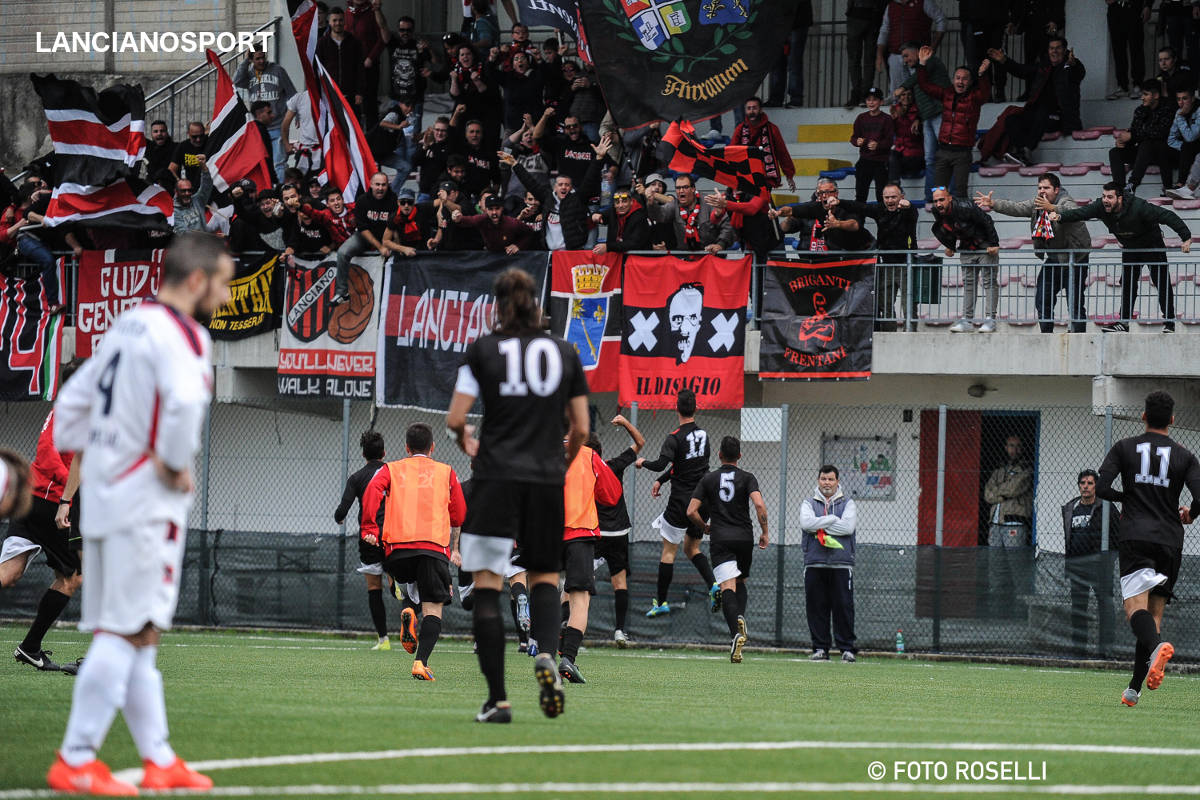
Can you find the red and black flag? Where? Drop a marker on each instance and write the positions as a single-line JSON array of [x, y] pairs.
[[660, 60], [349, 164], [98, 139], [235, 147], [564, 15], [31, 334], [817, 317], [685, 328], [736, 166]]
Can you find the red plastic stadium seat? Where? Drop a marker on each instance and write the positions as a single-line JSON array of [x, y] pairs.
[[1098, 243], [1106, 170], [1029, 281], [1113, 280], [1051, 136], [1048, 166], [1189, 320], [992, 172], [1022, 322], [1102, 129], [1029, 172], [1013, 243], [1085, 136], [1159, 201], [1091, 164], [936, 322], [1074, 170], [1186, 205]]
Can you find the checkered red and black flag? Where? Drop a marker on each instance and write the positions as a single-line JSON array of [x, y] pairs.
[[737, 166]]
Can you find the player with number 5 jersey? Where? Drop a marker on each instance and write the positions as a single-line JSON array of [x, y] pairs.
[[135, 411], [534, 392], [686, 452], [1153, 469]]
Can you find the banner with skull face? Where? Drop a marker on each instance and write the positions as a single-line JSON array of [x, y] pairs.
[[817, 318], [684, 328]]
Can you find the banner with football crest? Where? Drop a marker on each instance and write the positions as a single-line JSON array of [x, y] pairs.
[[31, 326], [255, 295], [684, 328], [110, 283], [434, 305], [817, 317], [328, 350], [662, 60], [585, 309]]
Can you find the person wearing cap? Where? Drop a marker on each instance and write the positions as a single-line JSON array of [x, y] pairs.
[[873, 135], [500, 233], [626, 224], [410, 225]]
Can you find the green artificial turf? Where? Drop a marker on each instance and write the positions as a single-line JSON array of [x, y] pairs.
[[239, 695]]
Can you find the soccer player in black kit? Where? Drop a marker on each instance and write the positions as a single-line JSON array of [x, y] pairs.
[[727, 493], [686, 450], [370, 556], [1154, 469], [530, 383]]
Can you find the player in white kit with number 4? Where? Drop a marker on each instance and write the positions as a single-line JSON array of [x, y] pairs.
[[135, 410]]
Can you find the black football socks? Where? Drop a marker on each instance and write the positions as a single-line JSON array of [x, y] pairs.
[[489, 642]]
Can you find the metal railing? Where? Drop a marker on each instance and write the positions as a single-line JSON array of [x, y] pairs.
[[191, 95], [928, 290]]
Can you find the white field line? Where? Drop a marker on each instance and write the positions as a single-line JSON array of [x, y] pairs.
[[1163, 790]]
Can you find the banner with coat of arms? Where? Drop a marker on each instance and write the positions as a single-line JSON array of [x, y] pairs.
[[662, 60], [586, 310], [327, 350], [434, 306]]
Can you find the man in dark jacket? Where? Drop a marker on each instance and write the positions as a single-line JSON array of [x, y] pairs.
[[1088, 563], [682, 221], [835, 226], [1135, 223], [1145, 142], [500, 233], [567, 220], [626, 224], [373, 212], [342, 56], [896, 226], [960, 118], [959, 225], [1053, 97]]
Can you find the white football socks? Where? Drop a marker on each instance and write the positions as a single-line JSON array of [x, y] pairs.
[[100, 689], [146, 709]]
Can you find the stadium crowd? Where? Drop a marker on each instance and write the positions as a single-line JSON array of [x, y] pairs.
[[531, 159]]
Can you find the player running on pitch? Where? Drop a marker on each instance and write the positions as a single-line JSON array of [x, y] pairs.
[[1154, 469]]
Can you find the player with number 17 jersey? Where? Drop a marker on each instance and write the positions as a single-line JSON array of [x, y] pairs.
[[687, 453]]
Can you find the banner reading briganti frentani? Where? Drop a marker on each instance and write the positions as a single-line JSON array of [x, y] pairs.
[[585, 309], [685, 328], [817, 318], [31, 334], [327, 350], [255, 297], [110, 283], [434, 305]]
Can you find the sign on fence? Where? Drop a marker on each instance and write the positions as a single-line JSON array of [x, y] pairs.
[[434, 305], [110, 283], [327, 350], [817, 318], [685, 328], [254, 300]]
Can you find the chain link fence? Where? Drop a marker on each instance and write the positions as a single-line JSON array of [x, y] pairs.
[[264, 549]]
